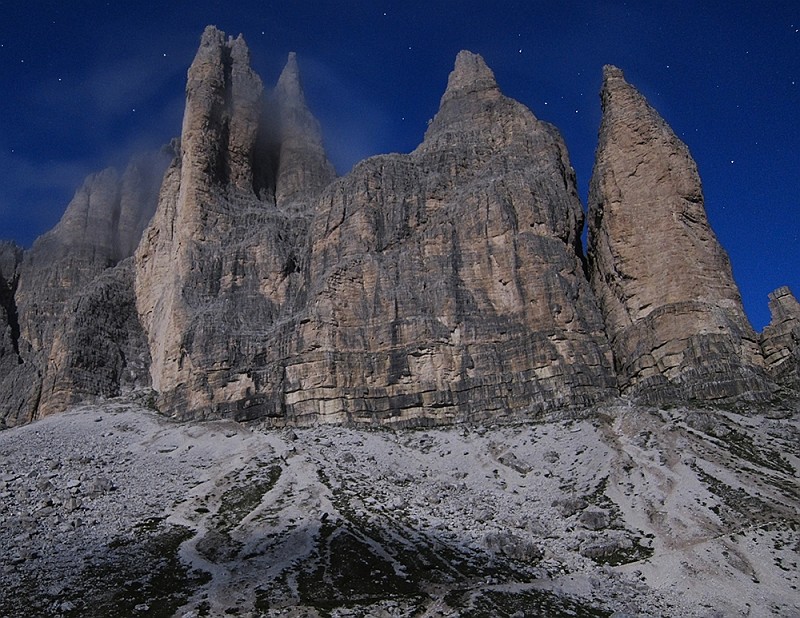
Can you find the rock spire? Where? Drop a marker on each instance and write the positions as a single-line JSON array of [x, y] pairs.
[[221, 264], [781, 338], [303, 166], [672, 309]]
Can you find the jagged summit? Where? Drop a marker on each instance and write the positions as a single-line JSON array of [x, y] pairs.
[[303, 166], [470, 75], [289, 88], [473, 108], [781, 338], [611, 72]]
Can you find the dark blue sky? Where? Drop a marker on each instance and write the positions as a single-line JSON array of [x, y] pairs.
[[86, 84]]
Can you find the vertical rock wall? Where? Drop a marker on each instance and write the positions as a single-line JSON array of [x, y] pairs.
[[448, 284], [672, 309], [222, 265]]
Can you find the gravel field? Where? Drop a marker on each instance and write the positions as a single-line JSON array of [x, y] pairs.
[[114, 510]]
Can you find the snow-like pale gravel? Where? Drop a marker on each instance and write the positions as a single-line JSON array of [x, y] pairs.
[[517, 509]]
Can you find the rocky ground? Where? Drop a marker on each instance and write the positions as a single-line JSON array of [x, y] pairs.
[[113, 510]]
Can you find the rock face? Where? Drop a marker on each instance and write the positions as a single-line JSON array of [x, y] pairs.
[[673, 312], [443, 284], [101, 226], [780, 340], [222, 267], [10, 258], [448, 283], [99, 348]]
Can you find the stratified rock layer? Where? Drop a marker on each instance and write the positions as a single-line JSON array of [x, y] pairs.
[[780, 340], [673, 312]]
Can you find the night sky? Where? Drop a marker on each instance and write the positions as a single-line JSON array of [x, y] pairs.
[[86, 84]]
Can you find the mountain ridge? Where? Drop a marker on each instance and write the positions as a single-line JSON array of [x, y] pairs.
[[442, 285]]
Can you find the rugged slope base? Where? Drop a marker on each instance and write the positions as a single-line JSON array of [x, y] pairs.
[[672, 310], [114, 511]]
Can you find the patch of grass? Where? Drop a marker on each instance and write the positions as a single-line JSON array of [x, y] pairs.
[[742, 445], [148, 525], [239, 501], [739, 505], [139, 579], [349, 571], [492, 603]]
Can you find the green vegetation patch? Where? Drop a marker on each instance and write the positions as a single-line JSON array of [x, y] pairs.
[[144, 579], [239, 501]]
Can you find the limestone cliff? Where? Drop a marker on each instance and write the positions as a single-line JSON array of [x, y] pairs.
[[10, 258], [672, 309], [222, 264], [99, 348], [440, 285], [447, 283]]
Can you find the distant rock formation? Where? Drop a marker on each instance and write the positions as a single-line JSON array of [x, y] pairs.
[[303, 168], [781, 338], [441, 285], [101, 226], [672, 310]]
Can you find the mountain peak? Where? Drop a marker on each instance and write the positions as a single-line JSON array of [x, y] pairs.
[[656, 265], [289, 87], [470, 75], [610, 72], [469, 102]]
